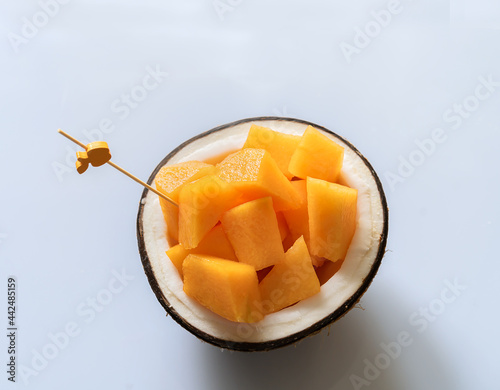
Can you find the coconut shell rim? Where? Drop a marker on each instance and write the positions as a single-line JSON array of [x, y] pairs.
[[295, 337]]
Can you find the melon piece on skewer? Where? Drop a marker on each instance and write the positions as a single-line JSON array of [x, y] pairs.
[[169, 181]]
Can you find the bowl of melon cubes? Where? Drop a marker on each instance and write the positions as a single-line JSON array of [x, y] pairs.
[[280, 227]]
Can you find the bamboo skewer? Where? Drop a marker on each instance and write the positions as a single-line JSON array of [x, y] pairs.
[[121, 169]]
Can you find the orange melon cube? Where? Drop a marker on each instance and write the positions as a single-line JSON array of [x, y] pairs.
[[177, 254], [332, 218], [290, 281], [281, 146], [201, 204], [298, 220], [252, 229], [169, 181], [255, 173], [215, 243], [228, 288], [317, 156], [171, 216]]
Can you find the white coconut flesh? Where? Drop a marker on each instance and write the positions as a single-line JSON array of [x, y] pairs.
[[334, 293]]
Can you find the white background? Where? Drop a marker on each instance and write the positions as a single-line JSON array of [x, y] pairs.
[[63, 236]]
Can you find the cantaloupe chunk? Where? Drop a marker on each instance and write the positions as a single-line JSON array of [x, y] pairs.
[[228, 288], [201, 204], [252, 229], [255, 173], [215, 243], [169, 181], [298, 220], [177, 254], [317, 156], [281, 146], [332, 218], [290, 281]]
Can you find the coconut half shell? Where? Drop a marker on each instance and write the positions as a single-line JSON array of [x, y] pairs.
[[337, 296]]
